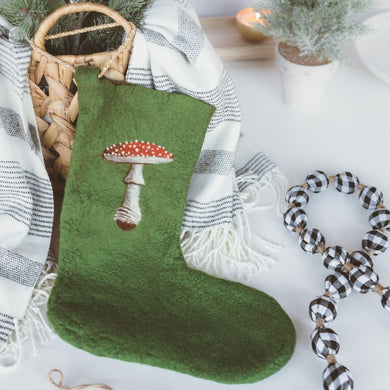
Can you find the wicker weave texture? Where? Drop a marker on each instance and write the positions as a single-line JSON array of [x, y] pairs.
[[53, 89]]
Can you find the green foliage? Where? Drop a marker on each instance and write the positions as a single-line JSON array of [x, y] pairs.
[[316, 27], [26, 16], [110, 39]]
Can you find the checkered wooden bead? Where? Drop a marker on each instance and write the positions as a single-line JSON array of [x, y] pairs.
[[375, 241], [363, 279], [359, 258], [323, 307], [346, 182], [335, 257], [297, 195], [338, 285], [317, 181], [370, 197], [385, 300], [293, 218], [337, 377], [380, 219], [310, 239], [324, 342]]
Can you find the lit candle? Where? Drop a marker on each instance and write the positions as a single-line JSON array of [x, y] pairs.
[[245, 19]]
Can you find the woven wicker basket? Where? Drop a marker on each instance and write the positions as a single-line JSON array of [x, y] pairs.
[[56, 106]]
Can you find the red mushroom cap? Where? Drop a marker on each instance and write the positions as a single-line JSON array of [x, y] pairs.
[[137, 152]]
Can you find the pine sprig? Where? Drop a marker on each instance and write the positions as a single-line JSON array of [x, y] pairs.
[[316, 27], [27, 15]]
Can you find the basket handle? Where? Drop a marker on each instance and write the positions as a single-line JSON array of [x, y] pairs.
[[50, 21]]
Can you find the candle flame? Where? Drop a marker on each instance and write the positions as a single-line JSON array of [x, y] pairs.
[[261, 16]]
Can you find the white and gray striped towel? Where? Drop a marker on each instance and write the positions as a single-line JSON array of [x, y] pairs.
[[26, 200], [171, 53]]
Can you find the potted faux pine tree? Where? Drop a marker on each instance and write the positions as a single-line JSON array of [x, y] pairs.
[[310, 37]]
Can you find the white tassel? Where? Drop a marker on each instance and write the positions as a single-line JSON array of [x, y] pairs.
[[225, 251], [279, 185], [251, 195], [272, 246], [34, 326]]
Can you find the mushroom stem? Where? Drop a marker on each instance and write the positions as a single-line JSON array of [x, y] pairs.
[[129, 214]]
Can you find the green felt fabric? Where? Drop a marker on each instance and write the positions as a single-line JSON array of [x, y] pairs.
[[130, 295]]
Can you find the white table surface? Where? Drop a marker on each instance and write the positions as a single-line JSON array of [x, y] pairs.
[[350, 130]]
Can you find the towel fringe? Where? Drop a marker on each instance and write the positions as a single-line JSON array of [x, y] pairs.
[[251, 194], [34, 326], [225, 251]]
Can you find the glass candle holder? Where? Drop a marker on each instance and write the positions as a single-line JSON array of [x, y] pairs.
[[245, 23]]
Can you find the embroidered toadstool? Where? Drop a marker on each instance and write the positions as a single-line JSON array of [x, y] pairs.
[[137, 154]]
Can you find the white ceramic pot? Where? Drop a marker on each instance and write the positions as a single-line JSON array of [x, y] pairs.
[[303, 85]]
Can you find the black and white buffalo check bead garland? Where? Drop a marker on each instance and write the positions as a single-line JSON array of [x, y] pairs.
[[351, 271]]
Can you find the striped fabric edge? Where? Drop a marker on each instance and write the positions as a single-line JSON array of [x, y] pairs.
[[26, 198], [14, 62], [34, 327], [140, 76], [255, 169], [190, 38], [7, 326], [216, 162], [157, 38], [19, 269], [199, 215], [12, 123], [259, 173], [187, 39]]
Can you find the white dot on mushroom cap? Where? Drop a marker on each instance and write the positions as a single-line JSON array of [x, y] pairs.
[[137, 150]]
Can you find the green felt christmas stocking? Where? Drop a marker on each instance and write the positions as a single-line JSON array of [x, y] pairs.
[[123, 288]]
